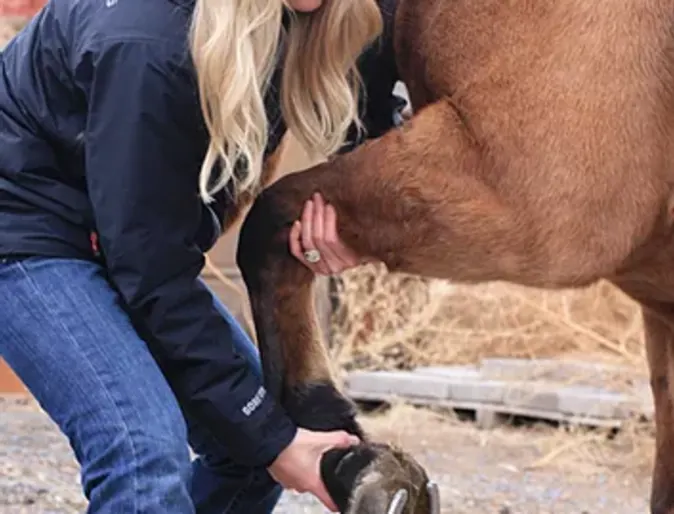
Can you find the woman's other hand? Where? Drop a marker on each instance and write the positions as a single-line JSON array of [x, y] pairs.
[[298, 466], [316, 232]]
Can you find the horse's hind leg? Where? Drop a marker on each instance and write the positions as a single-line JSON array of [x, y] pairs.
[[416, 200], [659, 327]]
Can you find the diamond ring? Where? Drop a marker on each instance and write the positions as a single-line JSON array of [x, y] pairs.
[[312, 256]]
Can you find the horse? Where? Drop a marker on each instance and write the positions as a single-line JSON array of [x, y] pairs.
[[540, 152]]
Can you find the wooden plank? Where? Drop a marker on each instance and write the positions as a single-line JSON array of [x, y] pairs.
[[487, 408]]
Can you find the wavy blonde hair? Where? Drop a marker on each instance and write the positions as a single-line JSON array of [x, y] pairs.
[[235, 46]]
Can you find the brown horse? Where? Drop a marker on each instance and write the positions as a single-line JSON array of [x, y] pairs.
[[541, 152]]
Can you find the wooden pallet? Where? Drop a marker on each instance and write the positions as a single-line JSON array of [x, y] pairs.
[[573, 392]]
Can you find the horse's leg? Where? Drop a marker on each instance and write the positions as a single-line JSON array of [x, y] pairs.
[[659, 325], [417, 200], [423, 199]]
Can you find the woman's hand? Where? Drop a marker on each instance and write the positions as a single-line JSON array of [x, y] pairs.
[[298, 466], [316, 233]]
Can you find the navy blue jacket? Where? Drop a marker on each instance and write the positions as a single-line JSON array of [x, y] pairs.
[[101, 132]]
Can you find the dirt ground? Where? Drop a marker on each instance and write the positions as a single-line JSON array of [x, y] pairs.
[[487, 472]]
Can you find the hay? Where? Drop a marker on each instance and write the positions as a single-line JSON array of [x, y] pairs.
[[583, 451], [579, 451], [395, 321]]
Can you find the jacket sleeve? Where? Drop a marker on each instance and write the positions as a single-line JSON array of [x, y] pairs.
[[144, 145]]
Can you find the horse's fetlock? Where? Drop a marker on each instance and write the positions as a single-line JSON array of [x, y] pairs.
[[320, 406]]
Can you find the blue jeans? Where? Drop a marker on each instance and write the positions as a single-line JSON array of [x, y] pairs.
[[64, 333]]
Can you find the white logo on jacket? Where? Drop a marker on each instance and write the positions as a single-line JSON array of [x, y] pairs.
[[254, 402]]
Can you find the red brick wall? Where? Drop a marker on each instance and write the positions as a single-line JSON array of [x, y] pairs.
[[20, 7], [9, 382]]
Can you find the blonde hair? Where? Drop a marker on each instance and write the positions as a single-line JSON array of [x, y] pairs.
[[234, 46]]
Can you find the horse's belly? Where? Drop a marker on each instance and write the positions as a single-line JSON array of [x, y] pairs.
[[567, 85], [497, 58]]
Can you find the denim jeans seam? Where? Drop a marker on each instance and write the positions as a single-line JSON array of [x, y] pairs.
[[40, 297]]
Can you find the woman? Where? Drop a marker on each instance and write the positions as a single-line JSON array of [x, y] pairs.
[[116, 165]]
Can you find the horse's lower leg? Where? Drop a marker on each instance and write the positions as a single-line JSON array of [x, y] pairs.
[[659, 327]]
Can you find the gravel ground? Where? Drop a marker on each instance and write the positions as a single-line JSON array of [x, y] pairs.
[[478, 472]]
